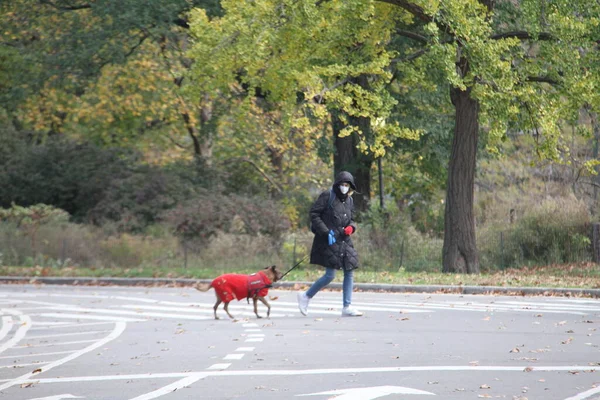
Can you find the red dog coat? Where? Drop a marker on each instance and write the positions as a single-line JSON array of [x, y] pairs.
[[237, 286]]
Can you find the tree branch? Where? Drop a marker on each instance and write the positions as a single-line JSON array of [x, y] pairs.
[[410, 57], [263, 173], [594, 184], [414, 9], [523, 35], [412, 35], [543, 79]]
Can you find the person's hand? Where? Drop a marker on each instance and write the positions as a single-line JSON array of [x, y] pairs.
[[349, 230]]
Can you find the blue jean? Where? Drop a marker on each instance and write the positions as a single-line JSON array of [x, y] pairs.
[[326, 280]]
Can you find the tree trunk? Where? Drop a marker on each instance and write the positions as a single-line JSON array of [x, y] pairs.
[[460, 249], [347, 157]]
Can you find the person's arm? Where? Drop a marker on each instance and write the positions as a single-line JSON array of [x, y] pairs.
[[316, 211]]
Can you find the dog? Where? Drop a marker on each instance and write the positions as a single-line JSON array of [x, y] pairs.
[[238, 286]]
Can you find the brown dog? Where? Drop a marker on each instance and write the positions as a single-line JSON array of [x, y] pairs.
[[237, 286]]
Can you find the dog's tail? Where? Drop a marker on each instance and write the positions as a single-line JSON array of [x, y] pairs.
[[203, 287]]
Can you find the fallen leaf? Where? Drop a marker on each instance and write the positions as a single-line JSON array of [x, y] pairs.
[[528, 369], [273, 298], [35, 371], [515, 350], [484, 386]]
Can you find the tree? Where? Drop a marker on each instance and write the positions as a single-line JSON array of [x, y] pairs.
[[338, 55], [504, 77], [69, 45], [315, 61]]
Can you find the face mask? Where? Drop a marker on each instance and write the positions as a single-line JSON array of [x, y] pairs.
[[344, 189]]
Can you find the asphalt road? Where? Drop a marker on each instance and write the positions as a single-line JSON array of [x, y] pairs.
[[61, 342]]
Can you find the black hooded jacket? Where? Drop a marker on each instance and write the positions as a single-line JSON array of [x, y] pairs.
[[334, 215]]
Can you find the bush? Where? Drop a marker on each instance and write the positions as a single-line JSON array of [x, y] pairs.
[[552, 231], [388, 241], [196, 221], [60, 172]]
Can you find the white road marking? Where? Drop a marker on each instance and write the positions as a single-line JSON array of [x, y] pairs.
[[83, 316], [187, 381], [233, 357], [245, 349], [254, 340], [411, 307], [172, 309], [27, 346], [367, 393], [48, 325], [133, 313], [250, 325], [68, 325], [66, 334], [59, 397], [7, 324], [23, 365], [119, 329], [24, 325], [38, 354], [221, 371], [585, 395], [256, 335]]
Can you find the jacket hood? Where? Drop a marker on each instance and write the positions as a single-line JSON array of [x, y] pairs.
[[345, 176]]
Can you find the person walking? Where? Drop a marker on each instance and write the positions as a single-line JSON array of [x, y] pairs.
[[332, 222]]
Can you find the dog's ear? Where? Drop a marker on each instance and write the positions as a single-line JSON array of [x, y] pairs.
[[273, 268]]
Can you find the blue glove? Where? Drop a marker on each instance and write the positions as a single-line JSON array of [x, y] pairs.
[[331, 237]]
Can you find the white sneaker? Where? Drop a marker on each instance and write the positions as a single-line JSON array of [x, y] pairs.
[[351, 312], [303, 300]]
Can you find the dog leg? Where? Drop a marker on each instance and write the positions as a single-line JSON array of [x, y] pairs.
[[255, 307], [226, 307], [217, 306], [266, 303]]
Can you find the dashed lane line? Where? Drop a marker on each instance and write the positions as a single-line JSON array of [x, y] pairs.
[[234, 356], [219, 367]]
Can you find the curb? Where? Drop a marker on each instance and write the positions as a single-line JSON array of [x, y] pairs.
[[365, 287]]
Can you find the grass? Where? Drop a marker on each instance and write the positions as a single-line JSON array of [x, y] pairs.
[[582, 275]]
